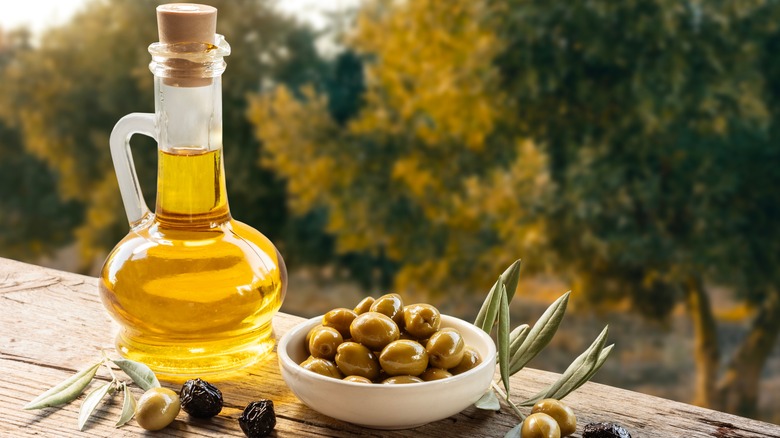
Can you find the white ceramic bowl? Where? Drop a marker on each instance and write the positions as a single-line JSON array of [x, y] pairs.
[[387, 406]]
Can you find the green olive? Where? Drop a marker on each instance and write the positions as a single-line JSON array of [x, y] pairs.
[[322, 366], [339, 319], [357, 379], [308, 336], [435, 374], [400, 380], [445, 348], [470, 360], [364, 305], [324, 341], [374, 330], [355, 359], [157, 408], [421, 320], [540, 425], [391, 305], [404, 357], [561, 413]]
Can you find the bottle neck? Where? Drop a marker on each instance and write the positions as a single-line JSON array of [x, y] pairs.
[[191, 188]]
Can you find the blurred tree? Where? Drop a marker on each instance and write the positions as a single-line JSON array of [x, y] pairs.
[[661, 130], [652, 166], [65, 95], [33, 219]]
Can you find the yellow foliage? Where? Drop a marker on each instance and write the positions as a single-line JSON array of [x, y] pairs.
[[290, 129], [433, 70], [401, 176]]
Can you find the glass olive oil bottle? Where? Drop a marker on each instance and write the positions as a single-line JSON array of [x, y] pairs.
[[193, 290]]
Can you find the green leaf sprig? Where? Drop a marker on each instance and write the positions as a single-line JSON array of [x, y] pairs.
[[74, 386], [521, 345]]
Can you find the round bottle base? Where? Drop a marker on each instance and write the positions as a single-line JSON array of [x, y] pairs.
[[189, 358]]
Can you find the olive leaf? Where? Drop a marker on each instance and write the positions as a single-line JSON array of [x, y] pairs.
[[92, 401], [503, 337], [517, 337], [602, 358], [141, 374], [488, 402], [584, 366], [511, 277], [541, 334], [489, 311], [128, 406], [515, 432], [67, 391], [579, 369]]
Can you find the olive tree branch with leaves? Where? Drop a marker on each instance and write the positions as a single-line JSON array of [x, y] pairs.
[[71, 388], [521, 345]]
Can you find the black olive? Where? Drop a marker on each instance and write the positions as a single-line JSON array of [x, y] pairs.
[[605, 430], [200, 398], [258, 419]]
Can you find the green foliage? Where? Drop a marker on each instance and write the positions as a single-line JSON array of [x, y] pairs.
[[33, 219], [661, 135]]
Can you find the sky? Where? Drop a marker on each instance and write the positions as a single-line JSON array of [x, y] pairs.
[[37, 14], [40, 14]]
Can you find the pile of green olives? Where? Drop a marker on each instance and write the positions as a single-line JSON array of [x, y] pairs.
[[384, 341], [549, 418]]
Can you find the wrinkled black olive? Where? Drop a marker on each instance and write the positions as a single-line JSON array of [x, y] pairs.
[[605, 430], [200, 398], [258, 419]]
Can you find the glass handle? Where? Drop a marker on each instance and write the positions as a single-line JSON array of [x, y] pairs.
[[135, 123]]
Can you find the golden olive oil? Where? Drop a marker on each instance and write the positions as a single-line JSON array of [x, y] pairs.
[[193, 290]]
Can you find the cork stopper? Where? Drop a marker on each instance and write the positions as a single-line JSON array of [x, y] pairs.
[[186, 23]]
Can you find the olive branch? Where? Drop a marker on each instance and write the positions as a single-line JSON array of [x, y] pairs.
[[521, 345], [72, 387]]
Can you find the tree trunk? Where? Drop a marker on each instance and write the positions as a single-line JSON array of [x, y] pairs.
[[705, 333], [738, 390]]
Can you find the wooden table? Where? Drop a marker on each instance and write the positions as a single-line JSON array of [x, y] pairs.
[[52, 324]]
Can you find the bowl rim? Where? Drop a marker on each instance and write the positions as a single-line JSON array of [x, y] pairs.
[[286, 360]]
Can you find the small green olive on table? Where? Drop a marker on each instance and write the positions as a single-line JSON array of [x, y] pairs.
[[445, 348], [404, 357], [374, 330], [157, 408], [540, 425], [561, 413]]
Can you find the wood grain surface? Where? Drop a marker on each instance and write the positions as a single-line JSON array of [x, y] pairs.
[[52, 324]]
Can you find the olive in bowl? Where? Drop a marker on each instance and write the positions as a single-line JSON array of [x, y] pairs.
[[388, 406]]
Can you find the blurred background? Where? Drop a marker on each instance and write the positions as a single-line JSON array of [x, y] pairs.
[[628, 151]]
